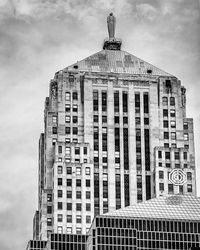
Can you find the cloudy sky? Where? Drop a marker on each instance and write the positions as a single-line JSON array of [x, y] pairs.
[[39, 37]]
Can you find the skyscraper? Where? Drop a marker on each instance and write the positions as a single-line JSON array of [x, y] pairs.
[[115, 133]]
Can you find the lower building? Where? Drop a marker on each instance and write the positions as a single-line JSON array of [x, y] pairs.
[[167, 222]]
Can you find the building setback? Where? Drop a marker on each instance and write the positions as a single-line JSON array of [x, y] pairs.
[[115, 127]]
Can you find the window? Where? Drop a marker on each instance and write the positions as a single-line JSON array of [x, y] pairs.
[[172, 113], [161, 175], [69, 230], [75, 140], [78, 183], [67, 96], [67, 119], [85, 161], [87, 183], [60, 193], [54, 130], [69, 170], [173, 124], [67, 108], [69, 182], [59, 205], [69, 206], [104, 101], [78, 219], [88, 219], [75, 130], [88, 207], [170, 188], [85, 150], [67, 130], [186, 137], [146, 121], [168, 165], [125, 102], [166, 135], [60, 159], [165, 124], [185, 126], [87, 194], [105, 160], [60, 230], [173, 135], [166, 145], [75, 108], [60, 169], [173, 145], [172, 101], [54, 119], [189, 188], [67, 140], [125, 120], [160, 164], [165, 112], [69, 218], [78, 194], [77, 151], [69, 194], [75, 119], [60, 217], [176, 156], [167, 155], [49, 221], [104, 119], [96, 118], [95, 101], [116, 119], [49, 197], [67, 150], [116, 101], [54, 141], [78, 171], [185, 155], [75, 96], [49, 209], [161, 186], [78, 206], [160, 154], [165, 101], [78, 230], [60, 149], [189, 176], [59, 181]]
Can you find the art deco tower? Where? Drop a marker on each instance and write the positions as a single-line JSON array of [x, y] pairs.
[[115, 128]]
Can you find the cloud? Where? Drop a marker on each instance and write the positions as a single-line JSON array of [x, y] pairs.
[[146, 11]]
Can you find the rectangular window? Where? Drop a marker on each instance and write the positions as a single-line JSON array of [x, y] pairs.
[[54, 130], [160, 154], [104, 119], [59, 181], [60, 149], [75, 119], [85, 150], [185, 126], [60, 194], [78, 194], [165, 101], [116, 119], [78, 219], [172, 113], [126, 149], [59, 205], [75, 96], [161, 186], [69, 194], [75, 130], [176, 156], [71, 78], [69, 206], [60, 170], [67, 108], [78, 183], [146, 121], [54, 119], [161, 175], [95, 101], [75, 108], [69, 182], [125, 120], [49, 221], [77, 151], [116, 101], [67, 140], [146, 103], [60, 217], [69, 170], [125, 102], [78, 230], [189, 188], [137, 103], [186, 137], [49, 209], [170, 188], [49, 197], [165, 124], [87, 183], [78, 171], [172, 101], [87, 195], [173, 135], [60, 230], [67, 130], [165, 112], [67, 96], [166, 135], [88, 207], [67, 150], [185, 155], [67, 119], [78, 206], [69, 230], [69, 218], [96, 118], [189, 176], [88, 219], [104, 101], [167, 155], [173, 124]]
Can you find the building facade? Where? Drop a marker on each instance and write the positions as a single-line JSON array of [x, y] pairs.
[[115, 127]]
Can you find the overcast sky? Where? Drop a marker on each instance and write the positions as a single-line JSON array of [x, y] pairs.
[[40, 37]]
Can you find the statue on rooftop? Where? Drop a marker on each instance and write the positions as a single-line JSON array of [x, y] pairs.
[[111, 21]]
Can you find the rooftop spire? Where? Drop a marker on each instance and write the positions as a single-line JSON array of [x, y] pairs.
[[112, 43]]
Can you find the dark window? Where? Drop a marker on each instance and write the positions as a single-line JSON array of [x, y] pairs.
[[71, 78], [49, 197], [49, 209], [60, 149], [69, 217], [165, 124], [125, 102], [137, 120], [75, 130], [170, 188], [95, 101], [69, 182], [75, 119], [165, 112], [165, 101], [69, 170], [161, 175], [166, 145], [59, 205], [60, 193], [78, 206], [147, 149], [185, 155], [146, 121], [67, 130], [75, 108], [116, 101], [137, 103], [189, 176], [116, 119], [146, 103], [160, 154], [189, 188], [85, 150], [185, 125], [125, 120], [117, 140], [104, 101], [167, 155], [176, 156], [118, 191], [69, 206], [69, 194], [77, 151], [172, 113], [104, 119], [54, 130], [172, 101], [88, 207], [59, 181], [78, 194], [161, 186], [67, 108], [166, 135], [87, 195], [95, 118], [87, 183], [75, 96], [78, 183], [126, 189], [126, 154]]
